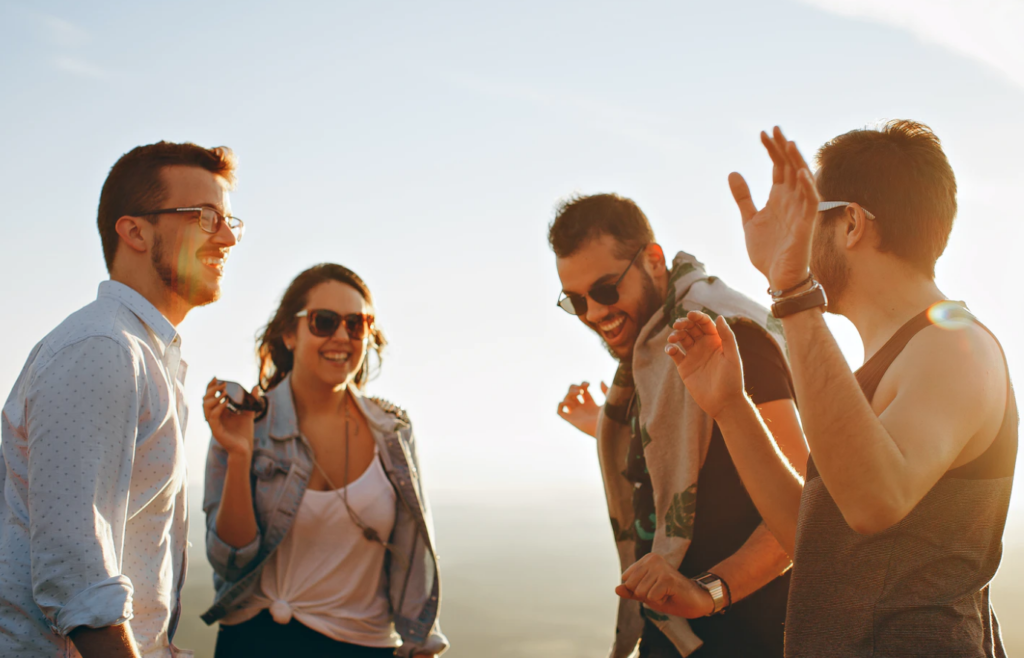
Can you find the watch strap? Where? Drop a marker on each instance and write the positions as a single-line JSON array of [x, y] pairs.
[[812, 298], [718, 590]]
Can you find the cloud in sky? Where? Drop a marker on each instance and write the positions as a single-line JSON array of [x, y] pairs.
[[988, 31], [80, 67], [63, 33]]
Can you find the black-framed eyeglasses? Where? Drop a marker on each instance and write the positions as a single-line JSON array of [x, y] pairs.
[[210, 219], [605, 294], [324, 323]]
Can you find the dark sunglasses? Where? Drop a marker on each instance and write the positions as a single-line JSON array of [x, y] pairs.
[[605, 294], [324, 323], [238, 399]]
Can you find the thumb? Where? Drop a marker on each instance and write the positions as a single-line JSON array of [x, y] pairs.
[[741, 193], [729, 346], [604, 388]]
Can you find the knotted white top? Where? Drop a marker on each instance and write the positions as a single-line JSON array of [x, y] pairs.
[[326, 574]]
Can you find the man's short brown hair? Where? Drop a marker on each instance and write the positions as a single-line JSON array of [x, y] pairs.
[[134, 183], [899, 173], [580, 219]]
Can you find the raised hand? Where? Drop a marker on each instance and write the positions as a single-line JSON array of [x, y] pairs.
[[708, 361], [653, 582], [233, 431], [779, 235], [579, 409]]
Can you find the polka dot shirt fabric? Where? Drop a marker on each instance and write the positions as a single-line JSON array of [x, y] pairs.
[[93, 517]]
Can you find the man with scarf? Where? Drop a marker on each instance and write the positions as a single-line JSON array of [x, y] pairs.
[[672, 490]]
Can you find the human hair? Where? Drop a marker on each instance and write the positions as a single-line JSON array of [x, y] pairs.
[[580, 219], [134, 183], [899, 173], [275, 359]]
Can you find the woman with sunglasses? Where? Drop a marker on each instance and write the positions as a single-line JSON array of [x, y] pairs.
[[318, 528]]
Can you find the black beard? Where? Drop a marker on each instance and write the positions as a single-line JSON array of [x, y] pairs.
[[650, 302]]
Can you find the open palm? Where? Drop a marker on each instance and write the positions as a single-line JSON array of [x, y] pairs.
[[779, 235], [708, 361]]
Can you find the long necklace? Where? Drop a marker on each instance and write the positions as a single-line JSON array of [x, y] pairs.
[[370, 533]]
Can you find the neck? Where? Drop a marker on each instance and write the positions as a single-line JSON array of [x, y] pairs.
[[879, 306], [169, 303], [313, 398]]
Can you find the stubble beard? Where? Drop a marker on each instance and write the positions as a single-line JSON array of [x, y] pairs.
[[192, 292], [829, 267]]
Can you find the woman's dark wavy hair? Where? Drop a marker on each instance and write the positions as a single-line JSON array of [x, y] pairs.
[[275, 359]]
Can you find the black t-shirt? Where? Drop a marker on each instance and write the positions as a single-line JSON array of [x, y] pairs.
[[724, 519]]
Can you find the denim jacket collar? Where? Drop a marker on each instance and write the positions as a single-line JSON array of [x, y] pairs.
[[283, 421]]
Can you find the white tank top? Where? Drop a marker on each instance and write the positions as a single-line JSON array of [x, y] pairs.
[[325, 573]]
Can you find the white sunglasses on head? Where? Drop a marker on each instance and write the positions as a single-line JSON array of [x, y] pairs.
[[829, 205]]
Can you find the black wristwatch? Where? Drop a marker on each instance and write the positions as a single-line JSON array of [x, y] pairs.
[[812, 298]]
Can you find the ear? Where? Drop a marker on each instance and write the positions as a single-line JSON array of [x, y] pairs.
[[856, 226], [655, 256], [288, 338], [135, 233]]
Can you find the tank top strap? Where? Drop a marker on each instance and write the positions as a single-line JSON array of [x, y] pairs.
[[870, 374]]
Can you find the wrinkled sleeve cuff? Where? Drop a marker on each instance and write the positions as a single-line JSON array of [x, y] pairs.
[[227, 559], [106, 603]]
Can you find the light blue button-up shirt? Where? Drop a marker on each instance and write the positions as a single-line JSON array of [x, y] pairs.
[[93, 517]]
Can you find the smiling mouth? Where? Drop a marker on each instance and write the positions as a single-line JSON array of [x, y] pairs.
[[214, 262], [336, 357], [612, 329]]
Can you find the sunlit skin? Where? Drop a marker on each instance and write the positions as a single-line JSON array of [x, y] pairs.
[[189, 262], [928, 415], [323, 372], [652, 579]]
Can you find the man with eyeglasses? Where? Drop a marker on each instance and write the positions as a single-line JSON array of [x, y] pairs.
[[93, 519], [673, 494]]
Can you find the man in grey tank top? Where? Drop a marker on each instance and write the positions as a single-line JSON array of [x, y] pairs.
[[897, 531]]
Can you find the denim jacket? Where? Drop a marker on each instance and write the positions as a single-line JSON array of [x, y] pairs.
[[281, 468]]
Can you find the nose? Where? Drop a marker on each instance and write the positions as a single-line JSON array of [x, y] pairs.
[[595, 312], [224, 235]]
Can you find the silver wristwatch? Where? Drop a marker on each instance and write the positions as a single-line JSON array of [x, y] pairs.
[[718, 589]]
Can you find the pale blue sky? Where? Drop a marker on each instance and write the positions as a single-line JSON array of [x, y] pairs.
[[425, 147]]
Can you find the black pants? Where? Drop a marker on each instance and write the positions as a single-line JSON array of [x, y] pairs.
[[262, 637]]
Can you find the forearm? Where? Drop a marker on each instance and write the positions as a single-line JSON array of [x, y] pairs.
[[236, 517], [766, 473], [758, 562], [108, 642], [857, 459]]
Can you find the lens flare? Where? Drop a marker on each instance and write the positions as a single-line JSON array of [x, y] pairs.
[[949, 315]]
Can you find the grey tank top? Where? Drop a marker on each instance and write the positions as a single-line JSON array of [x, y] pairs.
[[921, 587]]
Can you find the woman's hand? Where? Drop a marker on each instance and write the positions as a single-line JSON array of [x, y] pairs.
[[580, 410], [232, 430], [708, 361], [651, 581]]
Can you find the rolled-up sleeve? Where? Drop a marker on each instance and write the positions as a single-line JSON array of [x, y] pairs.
[[82, 417], [228, 562]]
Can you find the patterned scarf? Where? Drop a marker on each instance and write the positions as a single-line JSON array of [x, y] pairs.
[[675, 434]]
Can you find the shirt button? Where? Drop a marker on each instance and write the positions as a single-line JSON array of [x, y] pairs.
[[636, 484]]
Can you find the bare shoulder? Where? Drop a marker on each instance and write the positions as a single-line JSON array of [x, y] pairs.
[[961, 352], [951, 379]]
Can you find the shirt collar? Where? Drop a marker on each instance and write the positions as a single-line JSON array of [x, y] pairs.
[[283, 421], [142, 308]]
